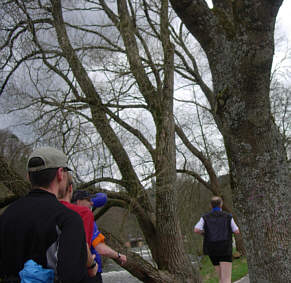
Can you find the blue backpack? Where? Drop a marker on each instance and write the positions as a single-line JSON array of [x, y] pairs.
[[35, 273]]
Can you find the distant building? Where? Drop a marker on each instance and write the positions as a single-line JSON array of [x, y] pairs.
[[135, 242]]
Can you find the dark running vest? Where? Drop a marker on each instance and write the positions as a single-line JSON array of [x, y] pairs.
[[217, 233]]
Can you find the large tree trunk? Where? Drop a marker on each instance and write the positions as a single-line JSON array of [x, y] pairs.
[[261, 202], [238, 41], [257, 159]]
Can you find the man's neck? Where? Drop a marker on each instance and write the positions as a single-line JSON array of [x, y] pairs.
[[216, 209], [49, 190]]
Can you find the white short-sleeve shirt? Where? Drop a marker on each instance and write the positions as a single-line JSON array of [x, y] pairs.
[[200, 225]]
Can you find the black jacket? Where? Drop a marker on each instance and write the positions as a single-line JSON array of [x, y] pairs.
[[39, 227], [217, 233]]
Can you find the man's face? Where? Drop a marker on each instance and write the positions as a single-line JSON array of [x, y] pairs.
[[85, 202]]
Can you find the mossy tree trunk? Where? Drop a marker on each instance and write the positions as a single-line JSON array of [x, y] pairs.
[[237, 37]]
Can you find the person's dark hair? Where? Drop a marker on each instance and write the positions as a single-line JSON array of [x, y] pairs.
[[216, 201], [41, 178]]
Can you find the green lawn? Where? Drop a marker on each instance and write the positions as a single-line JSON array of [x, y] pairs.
[[239, 269]]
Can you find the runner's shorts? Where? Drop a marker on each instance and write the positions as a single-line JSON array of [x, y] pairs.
[[217, 259]]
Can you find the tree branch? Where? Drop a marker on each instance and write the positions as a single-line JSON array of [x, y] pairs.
[[207, 164]]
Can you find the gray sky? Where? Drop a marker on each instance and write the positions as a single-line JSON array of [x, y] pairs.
[[284, 17], [283, 21]]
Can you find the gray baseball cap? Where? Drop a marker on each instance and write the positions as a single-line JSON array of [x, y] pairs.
[[50, 157]]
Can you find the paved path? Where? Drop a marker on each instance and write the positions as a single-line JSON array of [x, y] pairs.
[[125, 277], [118, 275], [243, 280]]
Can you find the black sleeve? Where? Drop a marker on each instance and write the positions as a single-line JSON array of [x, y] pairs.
[[1, 265], [72, 251]]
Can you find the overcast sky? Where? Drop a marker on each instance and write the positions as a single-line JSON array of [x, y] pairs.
[[284, 24], [284, 17]]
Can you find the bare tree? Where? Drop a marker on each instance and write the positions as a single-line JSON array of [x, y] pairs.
[[133, 43], [58, 52]]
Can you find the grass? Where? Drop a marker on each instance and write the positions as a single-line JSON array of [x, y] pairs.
[[239, 269]]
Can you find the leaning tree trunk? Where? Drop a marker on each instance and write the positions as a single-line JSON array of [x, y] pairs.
[[238, 40]]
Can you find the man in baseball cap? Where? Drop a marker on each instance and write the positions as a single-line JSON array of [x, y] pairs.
[[47, 158], [98, 199], [82, 195], [38, 227]]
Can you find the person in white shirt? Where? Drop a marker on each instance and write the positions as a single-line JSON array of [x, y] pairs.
[[217, 227]]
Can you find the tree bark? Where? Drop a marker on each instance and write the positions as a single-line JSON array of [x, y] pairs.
[[172, 255], [238, 40]]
